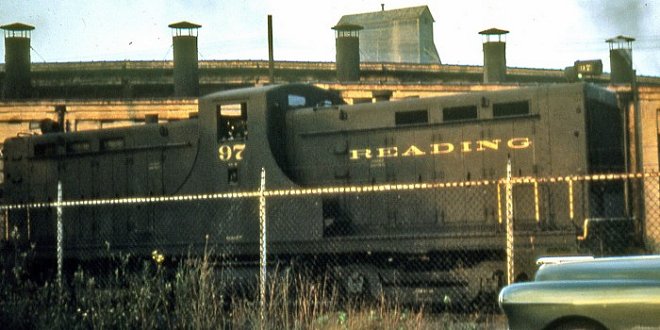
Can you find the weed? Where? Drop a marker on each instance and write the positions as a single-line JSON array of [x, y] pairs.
[[192, 295]]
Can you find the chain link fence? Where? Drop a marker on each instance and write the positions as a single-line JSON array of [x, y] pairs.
[[447, 245]]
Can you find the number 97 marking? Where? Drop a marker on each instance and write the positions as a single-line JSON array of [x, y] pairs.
[[228, 153]]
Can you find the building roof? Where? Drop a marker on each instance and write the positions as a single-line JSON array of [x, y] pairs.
[[347, 27], [494, 31], [620, 38], [184, 25], [17, 27], [402, 35], [386, 16]]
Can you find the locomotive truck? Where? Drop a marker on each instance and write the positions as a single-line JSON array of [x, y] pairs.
[[423, 246]]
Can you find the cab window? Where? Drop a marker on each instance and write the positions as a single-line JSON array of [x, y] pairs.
[[296, 101], [232, 121]]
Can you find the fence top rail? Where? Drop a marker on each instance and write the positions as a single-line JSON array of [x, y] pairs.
[[331, 190]]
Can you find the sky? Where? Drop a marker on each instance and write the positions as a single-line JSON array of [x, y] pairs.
[[543, 34]]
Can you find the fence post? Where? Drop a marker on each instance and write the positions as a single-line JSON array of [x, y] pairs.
[[6, 224], [571, 208], [60, 235], [262, 249], [509, 225]]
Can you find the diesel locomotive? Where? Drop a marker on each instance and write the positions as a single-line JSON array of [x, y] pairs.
[[415, 244]]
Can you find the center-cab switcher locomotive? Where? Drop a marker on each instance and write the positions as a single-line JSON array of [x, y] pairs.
[[414, 244]]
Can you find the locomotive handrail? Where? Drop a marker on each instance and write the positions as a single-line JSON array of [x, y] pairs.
[[411, 126]]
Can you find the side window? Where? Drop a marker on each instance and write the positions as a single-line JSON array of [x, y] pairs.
[[296, 101], [511, 109], [411, 117], [468, 112], [232, 121]]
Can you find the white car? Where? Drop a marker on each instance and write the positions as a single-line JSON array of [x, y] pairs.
[[587, 293]]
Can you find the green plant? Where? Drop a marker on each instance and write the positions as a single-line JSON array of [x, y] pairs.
[[192, 293]]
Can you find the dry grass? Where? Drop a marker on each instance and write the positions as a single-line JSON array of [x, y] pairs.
[[189, 297]]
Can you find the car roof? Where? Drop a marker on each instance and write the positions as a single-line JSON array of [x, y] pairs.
[[637, 267]]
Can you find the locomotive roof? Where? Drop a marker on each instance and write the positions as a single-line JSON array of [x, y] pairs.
[[589, 90], [311, 93], [239, 92], [248, 91]]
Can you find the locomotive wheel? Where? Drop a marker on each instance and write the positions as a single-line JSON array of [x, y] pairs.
[[359, 282], [355, 283]]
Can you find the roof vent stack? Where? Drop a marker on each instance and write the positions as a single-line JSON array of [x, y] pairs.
[[621, 62], [186, 67], [347, 43], [494, 46], [18, 80]]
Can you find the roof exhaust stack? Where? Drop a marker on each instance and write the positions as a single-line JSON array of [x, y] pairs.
[[186, 68], [18, 80], [494, 46], [348, 52], [621, 62]]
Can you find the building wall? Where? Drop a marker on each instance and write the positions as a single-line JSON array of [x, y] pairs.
[[396, 36], [23, 117], [428, 51], [153, 79], [649, 103], [400, 41], [649, 100]]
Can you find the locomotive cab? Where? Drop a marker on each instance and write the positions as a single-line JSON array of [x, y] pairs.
[[232, 134], [227, 117]]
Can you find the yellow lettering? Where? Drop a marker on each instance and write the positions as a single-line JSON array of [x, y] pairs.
[[357, 153], [229, 152], [467, 146], [224, 152], [238, 148], [441, 148], [519, 143], [388, 152], [485, 144], [413, 151]]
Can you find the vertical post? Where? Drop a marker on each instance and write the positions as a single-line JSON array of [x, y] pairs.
[[639, 153], [571, 209], [537, 212], [639, 161], [6, 218], [271, 61], [29, 223], [60, 235], [509, 225], [61, 117], [262, 248], [499, 203]]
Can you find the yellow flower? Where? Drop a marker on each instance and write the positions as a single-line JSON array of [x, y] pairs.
[[157, 257]]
